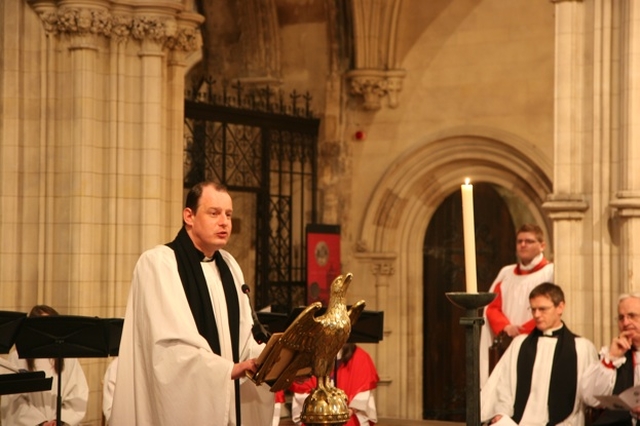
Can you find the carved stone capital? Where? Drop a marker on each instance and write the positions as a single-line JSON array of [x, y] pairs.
[[170, 33], [565, 206], [373, 85], [383, 268]]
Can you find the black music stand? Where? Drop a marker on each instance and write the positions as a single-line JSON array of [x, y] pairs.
[[115, 332], [10, 323], [63, 336], [274, 322], [367, 329]]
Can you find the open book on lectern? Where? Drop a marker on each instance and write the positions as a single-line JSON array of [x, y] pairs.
[[284, 357]]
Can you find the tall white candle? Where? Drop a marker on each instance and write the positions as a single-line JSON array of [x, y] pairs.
[[468, 227]]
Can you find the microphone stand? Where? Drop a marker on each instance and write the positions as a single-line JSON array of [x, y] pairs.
[[260, 334]]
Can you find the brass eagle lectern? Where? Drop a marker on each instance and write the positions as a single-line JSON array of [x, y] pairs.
[[310, 346]]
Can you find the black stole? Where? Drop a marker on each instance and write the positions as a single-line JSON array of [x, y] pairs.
[[564, 375], [624, 380], [189, 259]]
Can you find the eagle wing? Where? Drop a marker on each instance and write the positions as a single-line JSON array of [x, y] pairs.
[[355, 311], [292, 351]]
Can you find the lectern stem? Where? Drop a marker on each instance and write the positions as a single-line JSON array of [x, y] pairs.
[[471, 303]]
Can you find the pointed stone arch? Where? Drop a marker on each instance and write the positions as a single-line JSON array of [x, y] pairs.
[[389, 252]]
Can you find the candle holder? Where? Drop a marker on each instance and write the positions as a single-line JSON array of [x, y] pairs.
[[471, 302]]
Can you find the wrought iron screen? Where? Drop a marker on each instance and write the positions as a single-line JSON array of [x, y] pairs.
[[265, 151]]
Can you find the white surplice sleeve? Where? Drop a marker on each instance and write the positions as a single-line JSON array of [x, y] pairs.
[[599, 379]]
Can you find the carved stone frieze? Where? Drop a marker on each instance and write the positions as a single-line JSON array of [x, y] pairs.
[[121, 27]]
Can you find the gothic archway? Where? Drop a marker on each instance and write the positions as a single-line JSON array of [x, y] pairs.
[[396, 221]]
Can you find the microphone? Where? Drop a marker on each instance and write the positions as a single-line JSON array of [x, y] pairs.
[[259, 332]]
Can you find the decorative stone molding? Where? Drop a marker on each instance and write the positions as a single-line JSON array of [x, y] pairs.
[[121, 27], [373, 85], [626, 204], [362, 246], [381, 264], [565, 206], [383, 268]]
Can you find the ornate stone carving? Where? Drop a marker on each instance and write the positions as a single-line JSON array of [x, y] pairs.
[[373, 85], [383, 268], [122, 27], [376, 74]]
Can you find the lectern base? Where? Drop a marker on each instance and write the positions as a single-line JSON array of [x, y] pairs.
[[325, 407]]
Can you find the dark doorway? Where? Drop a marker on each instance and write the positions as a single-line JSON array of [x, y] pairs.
[[444, 383]]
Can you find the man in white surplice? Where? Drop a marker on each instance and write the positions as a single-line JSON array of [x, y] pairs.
[[537, 380], [186, 342]]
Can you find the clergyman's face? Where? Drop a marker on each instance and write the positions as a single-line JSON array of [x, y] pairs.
[[629, 317], [546, 315], [210, 225], [528, 247]]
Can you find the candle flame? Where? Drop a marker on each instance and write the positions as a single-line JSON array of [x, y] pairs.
[[466, 181]]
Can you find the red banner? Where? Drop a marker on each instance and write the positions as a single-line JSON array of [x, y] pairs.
[[323, 261]]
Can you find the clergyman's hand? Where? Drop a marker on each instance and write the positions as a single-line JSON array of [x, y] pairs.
[[620, 344], [511, 330], [240, 368], [495, 419]]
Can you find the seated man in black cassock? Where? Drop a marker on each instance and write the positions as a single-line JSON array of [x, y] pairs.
[[537, 381]]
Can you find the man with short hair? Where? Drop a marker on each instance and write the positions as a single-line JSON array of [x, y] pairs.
[[537, 380], [507, 315], [619, 365], [187, 339]]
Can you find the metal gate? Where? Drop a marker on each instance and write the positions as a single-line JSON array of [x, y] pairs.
[[263, 147]]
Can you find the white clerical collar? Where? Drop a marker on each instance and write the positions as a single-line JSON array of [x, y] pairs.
[[533, 263], [552, 331]]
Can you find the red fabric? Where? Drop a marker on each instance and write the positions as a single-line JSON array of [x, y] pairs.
[[497, 319], [357, 376], [280, 396], [608, 364]]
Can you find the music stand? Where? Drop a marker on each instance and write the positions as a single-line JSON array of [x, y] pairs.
[[10, 323], [63, 336], [367, 329], [115, 332], [274, 322]]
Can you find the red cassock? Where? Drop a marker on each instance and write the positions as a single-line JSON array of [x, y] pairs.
[[359, 375]]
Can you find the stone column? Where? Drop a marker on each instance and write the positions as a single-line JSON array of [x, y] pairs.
[[567, 205], [379, 269], [626, 200]]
